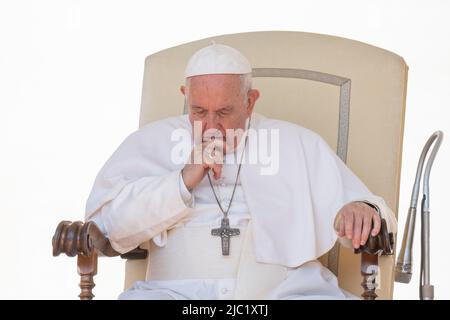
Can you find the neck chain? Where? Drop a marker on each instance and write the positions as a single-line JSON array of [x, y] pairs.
[[225, 213]]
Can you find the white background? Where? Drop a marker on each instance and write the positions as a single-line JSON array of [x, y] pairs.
[[70, 86]]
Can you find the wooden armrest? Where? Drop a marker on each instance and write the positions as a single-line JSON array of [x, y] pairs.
[[86, 241], [379, 245], [74, 238]]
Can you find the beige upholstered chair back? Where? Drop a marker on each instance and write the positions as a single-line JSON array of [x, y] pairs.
[[351, 93]]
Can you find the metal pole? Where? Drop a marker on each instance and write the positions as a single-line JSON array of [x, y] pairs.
[[403, 269]]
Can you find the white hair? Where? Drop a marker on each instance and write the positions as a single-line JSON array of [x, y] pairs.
[[246, 84]]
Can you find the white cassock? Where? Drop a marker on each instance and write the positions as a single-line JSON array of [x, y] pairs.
[[285, 219]]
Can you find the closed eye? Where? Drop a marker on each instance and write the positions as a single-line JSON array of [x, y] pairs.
[[199, 111], [224, 111]]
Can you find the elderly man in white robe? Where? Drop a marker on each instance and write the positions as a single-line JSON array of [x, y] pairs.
[[217, 226]]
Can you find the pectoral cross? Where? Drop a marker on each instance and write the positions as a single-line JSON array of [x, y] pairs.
[[225, 232]]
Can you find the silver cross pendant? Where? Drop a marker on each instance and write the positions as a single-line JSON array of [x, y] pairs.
[[225, 232]]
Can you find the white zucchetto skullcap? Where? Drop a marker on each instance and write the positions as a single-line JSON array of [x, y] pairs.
[[217, 59]]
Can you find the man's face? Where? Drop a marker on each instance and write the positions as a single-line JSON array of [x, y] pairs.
[[218, 103]]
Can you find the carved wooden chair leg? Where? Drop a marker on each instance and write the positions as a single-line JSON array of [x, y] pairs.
[[369, 271], [380, 245], [87, 269]]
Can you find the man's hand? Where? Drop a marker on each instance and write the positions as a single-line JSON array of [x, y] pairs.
[[354, 221], [204, 157]]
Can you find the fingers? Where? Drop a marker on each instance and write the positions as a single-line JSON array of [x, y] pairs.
[[368, 219], [367, 226], [212, 157], [349, 224], [213, 152], [341, 232], [357, 225], [357, 222], [217, 170], [376, 224]]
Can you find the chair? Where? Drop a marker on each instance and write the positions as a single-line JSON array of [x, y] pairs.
[[351, 93]]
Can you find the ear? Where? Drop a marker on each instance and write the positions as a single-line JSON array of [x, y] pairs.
[[252, 96], [183, 90]]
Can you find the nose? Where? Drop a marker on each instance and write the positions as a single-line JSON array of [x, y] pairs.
[[211, 121]]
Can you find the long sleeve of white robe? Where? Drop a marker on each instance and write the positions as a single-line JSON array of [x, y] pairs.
[[144, 209]]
